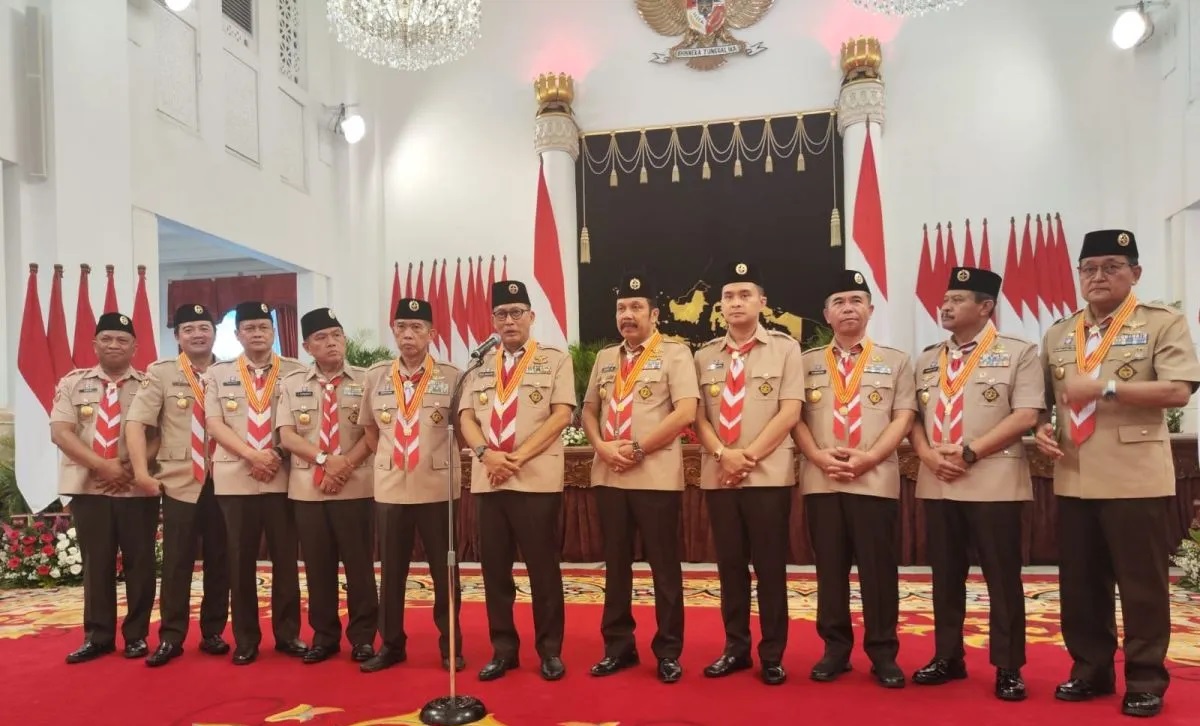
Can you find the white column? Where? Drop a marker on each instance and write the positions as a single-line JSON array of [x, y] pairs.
[[556, 140], [145, 252]]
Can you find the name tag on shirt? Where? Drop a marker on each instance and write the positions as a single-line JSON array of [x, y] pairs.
[[541, 369], [931, 369], [877, 368], [817, 372], [438, 388], [486, 373], [715, 365], [1131, 339], [608, 369], [303, 392], [653, 365], [232, 382], [181, 384], [352, 391], [995, 360]]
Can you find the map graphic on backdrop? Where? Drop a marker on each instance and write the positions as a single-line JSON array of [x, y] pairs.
[[680, 204]]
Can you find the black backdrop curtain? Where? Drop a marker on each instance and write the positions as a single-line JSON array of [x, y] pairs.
[[683, 233]]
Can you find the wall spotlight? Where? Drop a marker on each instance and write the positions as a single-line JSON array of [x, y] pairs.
[[178, 6], [1134, 26], [350, 125]]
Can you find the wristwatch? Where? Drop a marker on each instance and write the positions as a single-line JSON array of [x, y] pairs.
[[638, 454], [1110, 391], [718, 452], [480, 451], [321, 458], [968, 454]]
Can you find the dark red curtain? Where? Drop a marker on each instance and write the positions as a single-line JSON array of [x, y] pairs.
[[222, 294]]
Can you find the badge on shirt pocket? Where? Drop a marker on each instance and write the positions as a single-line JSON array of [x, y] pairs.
[[535, 396]]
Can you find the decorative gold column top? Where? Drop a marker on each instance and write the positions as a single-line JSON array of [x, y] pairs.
[[862, 98], [554, 93], [861, 58]]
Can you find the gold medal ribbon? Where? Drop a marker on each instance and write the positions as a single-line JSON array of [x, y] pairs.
[[1119, 318], [185, 366], [952, 389], [842, 391], [409, 410], [505, 388], [624, 386], [259, 404]]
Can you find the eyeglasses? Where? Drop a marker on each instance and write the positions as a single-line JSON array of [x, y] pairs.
[[1109, 269], [415, 327], [515, 314]]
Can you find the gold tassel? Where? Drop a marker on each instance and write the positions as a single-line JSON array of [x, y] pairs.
[[585, 247], [675, 173], [642, 176], [612, 178], [835, 229], [737, 167], [770, 164], [800, 161], [706, 172]]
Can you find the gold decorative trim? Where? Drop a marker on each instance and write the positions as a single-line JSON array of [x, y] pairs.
[[711, 122]]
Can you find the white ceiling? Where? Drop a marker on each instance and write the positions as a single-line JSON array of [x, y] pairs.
[[181, 246]]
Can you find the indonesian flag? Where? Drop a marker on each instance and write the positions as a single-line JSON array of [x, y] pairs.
[[408, 288], [1046, 293], [442, 314], [866, 253], [435, 340], [1027, 270], [969, 249], [985, 254], [461, 324], [1012, 290], [483, 305], [110, 294], [36, 457], [390, 314], [56, 329], [930, 290], [549, 296], [1066, 273], [420, 294], [85, 323], [143, 324], [951, 253]]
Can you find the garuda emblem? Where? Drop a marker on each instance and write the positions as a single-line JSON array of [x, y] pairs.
[[705, 26]]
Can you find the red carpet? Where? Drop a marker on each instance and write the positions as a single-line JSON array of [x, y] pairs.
[[199, 689]]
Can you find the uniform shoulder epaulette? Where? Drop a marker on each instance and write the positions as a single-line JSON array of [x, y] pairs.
[[930, 347], [356, 369], [289, 359], [449, 366], [293, 374], [164, 361], [554, 348], [1156, 305], [1014, 338], [818, 349], [76, 371], [780, 334], [672, 341], [714, 340], [882, 346], [379, 364]]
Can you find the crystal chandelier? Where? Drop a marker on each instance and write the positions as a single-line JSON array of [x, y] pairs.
[[907, 8], [409, 35]]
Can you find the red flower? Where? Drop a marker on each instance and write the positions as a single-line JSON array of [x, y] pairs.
[[28, 551], [39, 525], [48, 550], [12, 533], [14, 563], [28, 540], [43, 570], [47, 537]]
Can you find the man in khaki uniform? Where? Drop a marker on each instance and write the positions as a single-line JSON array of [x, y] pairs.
[[641, 394], [240, 400], [109, 511], [513, 410], [330, 487], [751, 384], [1113, 368], [173, 403], [860, 404], [407, 409], [980, 391]]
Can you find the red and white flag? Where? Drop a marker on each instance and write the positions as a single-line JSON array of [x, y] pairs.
[[110, 293], [549, 295], [867, 253], [969, 249], [435, 340], [390, 314], [1027, 270], [36, 458], [462, 343], [84, 355], [442, 314], [985, 254], [420, 292], [1047, 294], [482, 303], [143, 324], [930, 289], [1069, 298], [56, 329], [1012, 290], [951, 252], [408, 286]]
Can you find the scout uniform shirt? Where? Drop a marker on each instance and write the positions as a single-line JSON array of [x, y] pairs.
[[773, 372], [1128, 453], [882, 386], [415, 471], [541, 377], [302, 404], [173, 402], [231, 395], [99, 422], [666, 376], [1004, 377]]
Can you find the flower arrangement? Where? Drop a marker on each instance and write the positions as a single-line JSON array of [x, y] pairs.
[[574, 436], [44, 552], [1188, 558]]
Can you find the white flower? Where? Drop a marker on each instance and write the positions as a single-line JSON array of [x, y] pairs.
[[62, 537], [62, 544], [73, 551], [55, 573], [76, 569], [71, 533], [33, 576]]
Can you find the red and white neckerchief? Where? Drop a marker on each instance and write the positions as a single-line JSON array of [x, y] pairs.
[[618, 422], [1088, 359], [956, 369], [260, 387], [329, 441], [201, 447], [510, 369], [734, 395], [409, 390], [847, 417], [108, 421]]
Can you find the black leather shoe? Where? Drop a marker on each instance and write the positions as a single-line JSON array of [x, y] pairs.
[[137, 649], [163, 654], [829, 669], [889, 675], [295, 648], [610, 664], [1141, 704], [727, 664], [319, 654], [497, 667], [89, 651], [1077, 689], [773, 674], [939, 671], [553, 668], [1009, 685], [459, 663], [385, 658], [245, 656], [362, 652], [669, 670], [214, 645]]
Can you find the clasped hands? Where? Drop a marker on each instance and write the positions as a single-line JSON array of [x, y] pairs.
[[338, 469], [263, 464], [115, 476], [501, 465], [736, 465], [617, 454], [946, 462], [844, 464]]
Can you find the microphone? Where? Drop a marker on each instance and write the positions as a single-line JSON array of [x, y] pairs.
[[484, 347]]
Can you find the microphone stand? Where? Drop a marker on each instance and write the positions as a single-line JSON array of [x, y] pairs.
[[454, 709]]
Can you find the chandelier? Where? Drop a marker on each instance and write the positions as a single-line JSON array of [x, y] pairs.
[[409, 35], [907, 8]]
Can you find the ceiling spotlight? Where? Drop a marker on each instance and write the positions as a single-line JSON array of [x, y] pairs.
[[1133, 26], [351, 126], [178, 6]]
